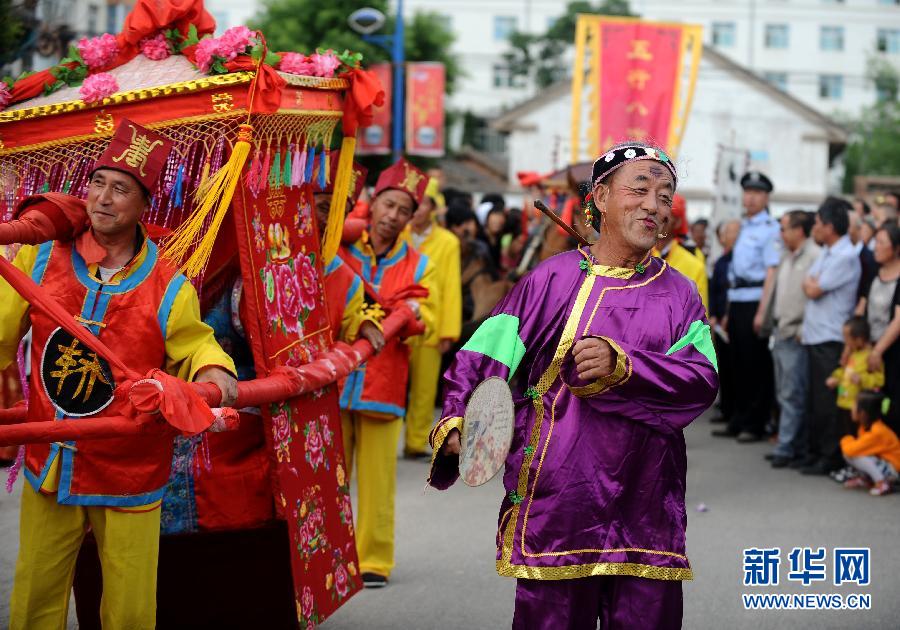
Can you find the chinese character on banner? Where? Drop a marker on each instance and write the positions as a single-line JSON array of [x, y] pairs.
[[807, 565], [640, 78], [761, 566], [376, 138], [425, 82], [851, 566]]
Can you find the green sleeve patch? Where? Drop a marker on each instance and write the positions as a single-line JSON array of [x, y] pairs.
[[700, 337], [498, 338]]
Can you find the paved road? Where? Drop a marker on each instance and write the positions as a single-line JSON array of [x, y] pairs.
[[445, 574]]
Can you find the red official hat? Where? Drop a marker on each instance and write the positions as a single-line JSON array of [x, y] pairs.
[[405, 177], [137, 151], [679, 211], [357, 177]]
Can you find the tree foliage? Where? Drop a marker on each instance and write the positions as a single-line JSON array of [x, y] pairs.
[[305, 25], [542, 57], [12, 31], [874, 148]]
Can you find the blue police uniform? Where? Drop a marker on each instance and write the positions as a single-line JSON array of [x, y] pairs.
[[757, 249]]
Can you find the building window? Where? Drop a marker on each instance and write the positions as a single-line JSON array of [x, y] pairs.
[[504, 26], [93, 20], [504, 78], [831, 86], [723, 34], [831, 38], [778, 79], [888, 40], [777, 36]]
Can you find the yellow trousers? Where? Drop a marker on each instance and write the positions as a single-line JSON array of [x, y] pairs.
[[50, 536], [424, 373], [373, 441]]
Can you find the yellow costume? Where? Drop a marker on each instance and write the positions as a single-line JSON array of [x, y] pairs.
[[127, 535], [858, 364], [692, 265], [442, 248]]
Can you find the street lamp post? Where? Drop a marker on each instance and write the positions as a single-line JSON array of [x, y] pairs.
[[366, 22]]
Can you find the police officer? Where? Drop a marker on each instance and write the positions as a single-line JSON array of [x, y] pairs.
[[752, 275]]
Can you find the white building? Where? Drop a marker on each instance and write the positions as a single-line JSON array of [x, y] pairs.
[[733, 107], [816, 50]]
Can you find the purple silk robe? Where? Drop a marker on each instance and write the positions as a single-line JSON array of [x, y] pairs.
[[595, 477]]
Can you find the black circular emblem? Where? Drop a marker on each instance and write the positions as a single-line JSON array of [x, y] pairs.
[[76, 380]]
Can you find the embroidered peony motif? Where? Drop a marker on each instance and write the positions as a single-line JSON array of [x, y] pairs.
[[98, 52], [308, 281], [97, 87]]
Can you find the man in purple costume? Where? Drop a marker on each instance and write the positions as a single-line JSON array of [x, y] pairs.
[[613, 358]]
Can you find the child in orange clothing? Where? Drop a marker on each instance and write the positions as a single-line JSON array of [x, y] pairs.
[[853, 374], [875, 451]]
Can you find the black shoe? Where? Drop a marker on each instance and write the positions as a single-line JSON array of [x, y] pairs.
[[417, 455], [746, 437], [726, 433], [373, 580], [770, 456], [817, 469], [780, 461], [719, 420]]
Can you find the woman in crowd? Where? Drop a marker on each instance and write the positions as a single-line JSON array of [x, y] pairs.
[[882, 308]]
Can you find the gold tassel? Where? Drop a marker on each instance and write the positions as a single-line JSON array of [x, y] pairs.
[[335, 227], [189, 248]]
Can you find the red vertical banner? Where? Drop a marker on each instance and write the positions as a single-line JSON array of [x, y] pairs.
[[639, 67], [287, 324], [425, 83], [376, 138]]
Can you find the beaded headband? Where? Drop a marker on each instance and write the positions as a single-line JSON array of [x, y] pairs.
[[618, 156]]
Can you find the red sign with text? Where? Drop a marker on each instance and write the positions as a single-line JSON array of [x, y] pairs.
[[425, 83], [639, 74], [376, 138]]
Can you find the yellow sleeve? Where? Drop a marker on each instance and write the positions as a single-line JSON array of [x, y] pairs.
[[703, 286], [838, 373], [190, 344], [870, 380], [450, 325], [353, 316], [428, 305], [14, 308]]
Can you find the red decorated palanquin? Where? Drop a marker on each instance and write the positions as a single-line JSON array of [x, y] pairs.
[[257, 523]]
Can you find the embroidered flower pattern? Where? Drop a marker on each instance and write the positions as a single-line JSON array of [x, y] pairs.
[[5, 95], [610, 156], [630, 153]]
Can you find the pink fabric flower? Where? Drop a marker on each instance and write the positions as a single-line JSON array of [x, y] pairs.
[[5, 95], [295, 63], [156, 48], [288, 292], [98, 86], [237, 38], [204, 52], [308, 281], [324, 65], [98, 52]]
